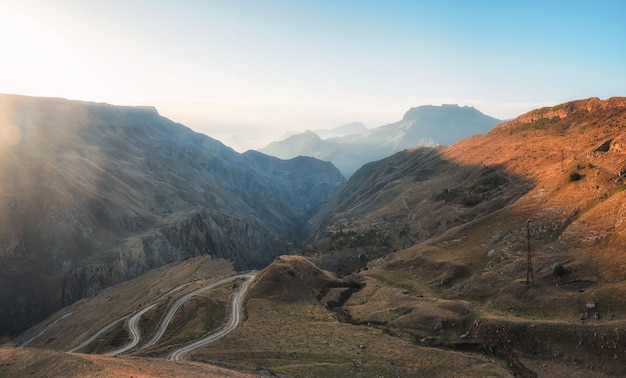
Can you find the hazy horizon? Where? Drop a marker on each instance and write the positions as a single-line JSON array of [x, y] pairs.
[[260, 68]]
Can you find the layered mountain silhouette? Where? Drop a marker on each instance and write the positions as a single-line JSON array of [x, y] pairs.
[[94, 194], [421, 126]]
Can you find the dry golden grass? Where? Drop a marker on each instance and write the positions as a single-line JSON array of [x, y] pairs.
[[38, 363], [304, 339], [200, 315], [300, 336]]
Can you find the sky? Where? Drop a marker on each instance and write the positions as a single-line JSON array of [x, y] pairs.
[[257, 68]]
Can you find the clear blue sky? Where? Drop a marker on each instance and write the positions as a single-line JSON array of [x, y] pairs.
[[259, 67]]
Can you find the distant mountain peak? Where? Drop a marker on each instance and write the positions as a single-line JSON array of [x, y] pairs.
[[426, 125], [236, 143], [438, 109]]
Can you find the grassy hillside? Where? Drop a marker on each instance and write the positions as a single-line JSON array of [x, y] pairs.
[[452, 226], [25, 362]]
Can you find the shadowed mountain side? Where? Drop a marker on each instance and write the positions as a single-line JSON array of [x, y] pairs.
[[310, 182], [420, 126], [406, 198], [93, 194]]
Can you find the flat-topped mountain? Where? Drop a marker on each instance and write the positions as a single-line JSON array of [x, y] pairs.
[[93, 194], [420, 126]]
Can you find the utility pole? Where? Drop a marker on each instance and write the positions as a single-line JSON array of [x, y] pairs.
[[530, 279]]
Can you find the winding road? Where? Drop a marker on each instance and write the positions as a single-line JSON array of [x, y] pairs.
[[95, 335], [45, 329], [134, 331], [110, 325], [234, 321], [167, 318]]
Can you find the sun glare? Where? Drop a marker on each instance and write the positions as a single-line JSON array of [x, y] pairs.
[[10, 135], [20, 36], [21, 43], [37, 55]]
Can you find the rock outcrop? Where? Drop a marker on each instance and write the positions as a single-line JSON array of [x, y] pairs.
[[566, 109]]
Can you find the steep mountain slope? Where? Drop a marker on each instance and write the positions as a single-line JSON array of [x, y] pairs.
[[455, 226], [420, 126], [93, 194]]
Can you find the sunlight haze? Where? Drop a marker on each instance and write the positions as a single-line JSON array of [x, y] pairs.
[[260, 68]]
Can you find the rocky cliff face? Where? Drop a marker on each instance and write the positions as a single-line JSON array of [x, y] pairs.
[[566, 109], [93, 194]]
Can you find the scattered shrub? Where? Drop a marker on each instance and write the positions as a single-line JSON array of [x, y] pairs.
[[559, 271], [575, 176], [489, 182]]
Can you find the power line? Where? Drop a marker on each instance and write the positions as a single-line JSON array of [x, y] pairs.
[[530, 279]]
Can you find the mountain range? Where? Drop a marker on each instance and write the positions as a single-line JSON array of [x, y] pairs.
[[421, 126], [94, 194], [499, 255]]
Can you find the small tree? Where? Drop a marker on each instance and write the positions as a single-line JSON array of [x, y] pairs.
[[575, 176], [530, 279]]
